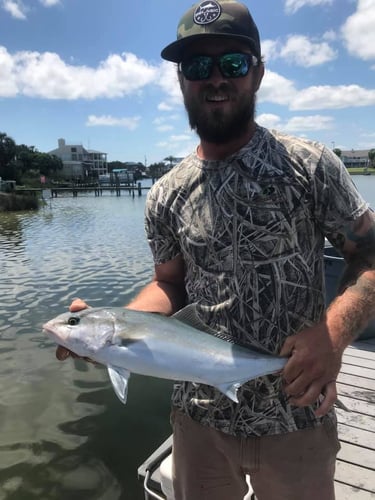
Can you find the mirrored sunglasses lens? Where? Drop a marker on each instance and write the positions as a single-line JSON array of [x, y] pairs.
[[234, 65], [197, 68]]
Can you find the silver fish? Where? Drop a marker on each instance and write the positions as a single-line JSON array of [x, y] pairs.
[[175, 348]]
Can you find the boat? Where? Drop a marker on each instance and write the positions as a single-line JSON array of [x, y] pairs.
[[156, 471]]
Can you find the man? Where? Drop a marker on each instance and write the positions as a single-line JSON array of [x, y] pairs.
[[238, 228]]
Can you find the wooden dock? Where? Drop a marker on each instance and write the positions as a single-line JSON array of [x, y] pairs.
[[355, 468], [98, 190]]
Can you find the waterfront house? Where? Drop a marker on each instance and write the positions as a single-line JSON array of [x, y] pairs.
[[356, 158], [79, 162]]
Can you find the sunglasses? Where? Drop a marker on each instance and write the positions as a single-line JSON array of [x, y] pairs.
[[231, 65]]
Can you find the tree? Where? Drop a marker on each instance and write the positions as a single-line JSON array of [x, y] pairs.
[[157, 170], [172, 160], [7, 154], [337, 152], [371, 157]]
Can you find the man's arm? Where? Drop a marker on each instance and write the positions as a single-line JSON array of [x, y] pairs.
[[166, 293], [316, 352]]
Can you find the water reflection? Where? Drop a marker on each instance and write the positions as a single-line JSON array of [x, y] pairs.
[[64, 433]]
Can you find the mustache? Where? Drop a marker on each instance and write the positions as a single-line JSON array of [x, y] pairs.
[[223, 88]]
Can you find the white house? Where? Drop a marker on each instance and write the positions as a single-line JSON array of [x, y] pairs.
[[355, 158], [79, 162]]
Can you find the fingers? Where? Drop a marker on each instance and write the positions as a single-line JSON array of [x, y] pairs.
[[288, 347], [327, 397], [77, 305], [330, 397]]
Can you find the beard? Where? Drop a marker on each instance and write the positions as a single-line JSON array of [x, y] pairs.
[[220, 126]]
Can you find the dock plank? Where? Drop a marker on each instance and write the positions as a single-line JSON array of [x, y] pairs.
[[352, 453], [347, 492], [357, 406], [356, 381], [355, 476], [358, 420]]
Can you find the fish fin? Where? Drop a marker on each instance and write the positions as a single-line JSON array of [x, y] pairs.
[[189, 316], [119, 378], [230, 390]]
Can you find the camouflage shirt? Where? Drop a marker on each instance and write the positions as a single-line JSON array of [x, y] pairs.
[[251, 231]]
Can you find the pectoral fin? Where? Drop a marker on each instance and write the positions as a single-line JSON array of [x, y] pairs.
[[119, 378]]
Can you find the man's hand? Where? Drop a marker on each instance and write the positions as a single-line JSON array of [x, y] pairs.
[[61, 352], [312, 369]]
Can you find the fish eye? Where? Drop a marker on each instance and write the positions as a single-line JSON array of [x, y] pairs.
[[73, 321]]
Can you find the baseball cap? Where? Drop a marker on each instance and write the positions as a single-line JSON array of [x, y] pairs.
[[214, 18]]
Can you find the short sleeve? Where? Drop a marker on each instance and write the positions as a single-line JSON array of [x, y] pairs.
[[337, 200], [159, 225]]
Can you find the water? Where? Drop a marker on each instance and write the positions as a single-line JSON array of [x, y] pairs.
[[64, 434]]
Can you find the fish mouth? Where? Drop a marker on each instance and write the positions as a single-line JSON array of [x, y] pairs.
[[48, 328]]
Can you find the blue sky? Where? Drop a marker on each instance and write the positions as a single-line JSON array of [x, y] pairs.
[[90, 71]]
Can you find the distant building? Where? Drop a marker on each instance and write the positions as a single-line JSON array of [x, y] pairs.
[[78, 162], [355, 158]]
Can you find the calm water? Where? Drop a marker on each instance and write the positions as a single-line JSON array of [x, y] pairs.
[[64, 434]]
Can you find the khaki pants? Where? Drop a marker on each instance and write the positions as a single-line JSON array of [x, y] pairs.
[[211, 465]]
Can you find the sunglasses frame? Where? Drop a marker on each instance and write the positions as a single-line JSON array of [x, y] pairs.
[[213, 61]]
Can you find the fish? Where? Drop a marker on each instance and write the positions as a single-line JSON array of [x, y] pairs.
[[179, 347]]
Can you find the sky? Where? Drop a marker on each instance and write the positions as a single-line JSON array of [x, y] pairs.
[[90, 71]]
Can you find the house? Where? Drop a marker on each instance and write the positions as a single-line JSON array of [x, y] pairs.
[[355, 158], [78, 162]]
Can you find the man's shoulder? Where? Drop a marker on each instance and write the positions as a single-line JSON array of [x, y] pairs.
[[297, 145]]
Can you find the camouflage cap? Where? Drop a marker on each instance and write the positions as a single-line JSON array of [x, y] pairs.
[[215, 18]]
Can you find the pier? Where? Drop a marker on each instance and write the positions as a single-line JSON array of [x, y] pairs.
[[98, 190]]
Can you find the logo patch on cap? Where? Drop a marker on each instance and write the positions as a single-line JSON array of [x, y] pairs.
[[207, 12]]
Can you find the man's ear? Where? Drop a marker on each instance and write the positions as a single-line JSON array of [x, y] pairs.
[[259, 76]]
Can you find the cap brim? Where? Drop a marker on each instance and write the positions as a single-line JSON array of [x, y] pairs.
[[174, 52]]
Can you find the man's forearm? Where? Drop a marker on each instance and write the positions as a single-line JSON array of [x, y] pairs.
[[158, 296], [354, 308]]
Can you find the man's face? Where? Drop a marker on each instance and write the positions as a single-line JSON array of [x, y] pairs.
[[220, 109]]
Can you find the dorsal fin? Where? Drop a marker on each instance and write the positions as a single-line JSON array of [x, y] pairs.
[[189, 316]]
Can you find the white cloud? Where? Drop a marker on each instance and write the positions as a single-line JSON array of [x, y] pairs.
[[332, 97], [300, 50], [291, 6], [358, 31], [303, 52], [268, 120], [296, 124], [49, 3], [47, 76], [169, 83], [277, 89], [15, 8], [8, 83], [110, 121], [308, 123]]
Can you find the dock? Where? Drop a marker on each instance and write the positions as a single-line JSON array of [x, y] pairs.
[[355, 466], [98, 190]]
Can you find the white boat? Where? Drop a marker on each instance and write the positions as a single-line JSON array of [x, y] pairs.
[[156, 471]]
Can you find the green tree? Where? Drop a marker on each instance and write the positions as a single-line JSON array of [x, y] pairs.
[[371, 157], [157, 170], [172, 160], [337, 152], [7, 155]]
